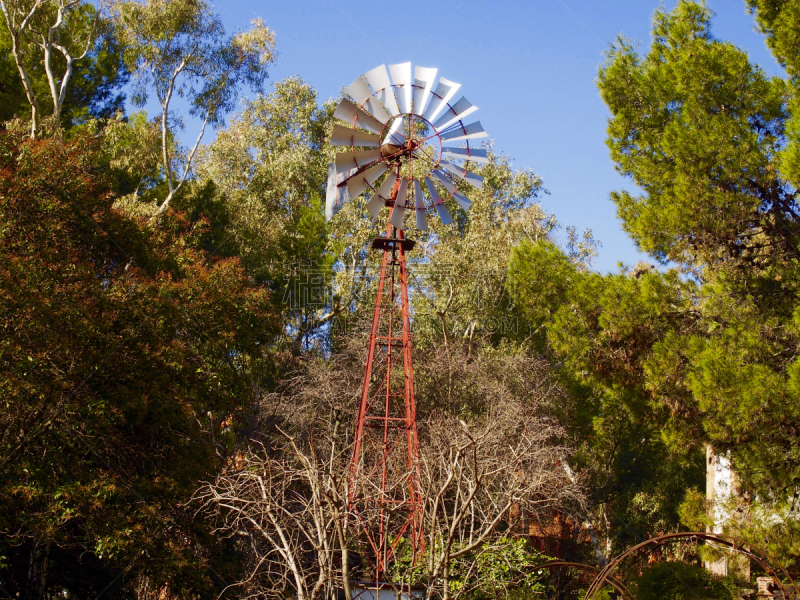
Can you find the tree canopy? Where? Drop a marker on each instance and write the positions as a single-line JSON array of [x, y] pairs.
[[129, 359], [704, 349]]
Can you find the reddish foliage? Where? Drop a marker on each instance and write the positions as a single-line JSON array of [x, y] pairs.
[[124, 349]]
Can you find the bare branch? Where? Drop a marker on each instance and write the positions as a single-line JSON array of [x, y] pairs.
[[479, 479]]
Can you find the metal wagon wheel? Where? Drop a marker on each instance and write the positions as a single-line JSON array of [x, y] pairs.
[[761, 558]]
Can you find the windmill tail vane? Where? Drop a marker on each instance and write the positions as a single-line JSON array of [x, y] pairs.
[[406, 146]]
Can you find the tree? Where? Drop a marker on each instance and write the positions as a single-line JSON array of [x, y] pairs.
[[601, 330], [705, 351], [707, 158], [780, 21], [65, 32], [94, 90], [477, 249], [269, 168], [699, 129], [133, 148], [129, 360], [178, 48]]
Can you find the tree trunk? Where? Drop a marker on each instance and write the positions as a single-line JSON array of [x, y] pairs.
[[37, 572], [34, 102], [34, 119]]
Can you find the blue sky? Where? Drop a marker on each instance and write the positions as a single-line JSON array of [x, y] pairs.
[[529, 66]]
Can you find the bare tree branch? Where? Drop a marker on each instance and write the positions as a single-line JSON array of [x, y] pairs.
[[286, 497]]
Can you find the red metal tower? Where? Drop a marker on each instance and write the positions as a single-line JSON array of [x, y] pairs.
[[399, 122], [384, 471]]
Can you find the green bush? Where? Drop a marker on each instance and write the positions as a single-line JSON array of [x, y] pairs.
[[679, 581]]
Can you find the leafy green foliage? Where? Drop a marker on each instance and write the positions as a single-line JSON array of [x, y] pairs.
[[269, 169], [700, 129], [705, 351], [679, 581], [780, 21], [132, 356], [133, 146], [504, 567], [179, 48], [95, 87], [270, 165], [510, 564], [459, 274], [602, 329], [127, 363]]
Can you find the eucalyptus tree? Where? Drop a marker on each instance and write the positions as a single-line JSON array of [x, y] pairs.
[[269, 167], [62, 32], [178, 48], [460, 270]]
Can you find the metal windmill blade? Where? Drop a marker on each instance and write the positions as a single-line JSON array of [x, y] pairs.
[[402, 82], [441, 207], [443, 94], [378, 78], [359, 91], [357, 117], [424, 78], [336, 196], [454, 113], [472, 154], [419, 205], [360, 183], [396, 123], [397, 217], [346, 136], [462, 200]]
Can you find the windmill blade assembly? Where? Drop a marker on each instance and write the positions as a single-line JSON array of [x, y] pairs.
[[396, 123]]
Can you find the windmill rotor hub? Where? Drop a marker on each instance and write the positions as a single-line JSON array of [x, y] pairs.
[[400, 152], [391, 150]]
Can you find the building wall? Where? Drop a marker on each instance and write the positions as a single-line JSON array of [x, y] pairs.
[[722, 486]]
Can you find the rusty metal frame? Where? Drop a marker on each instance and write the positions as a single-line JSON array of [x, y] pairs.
[[376, 407], [736, 544], [613, 581]]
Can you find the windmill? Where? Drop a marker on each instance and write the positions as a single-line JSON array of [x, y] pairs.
[[403, 129]]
